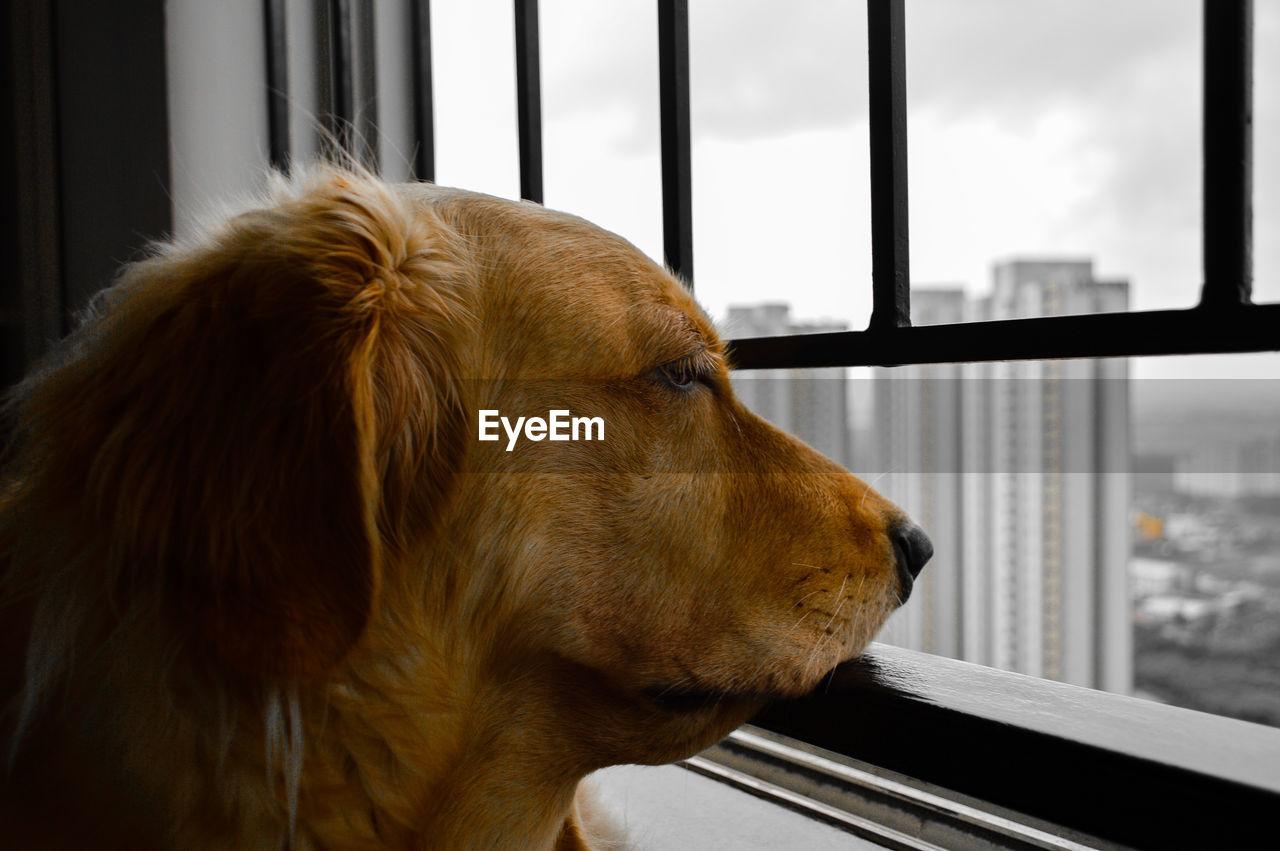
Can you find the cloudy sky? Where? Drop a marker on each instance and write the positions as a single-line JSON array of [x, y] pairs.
[[1037, 128]]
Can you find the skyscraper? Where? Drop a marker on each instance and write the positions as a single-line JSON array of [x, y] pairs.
[[1020, 473]]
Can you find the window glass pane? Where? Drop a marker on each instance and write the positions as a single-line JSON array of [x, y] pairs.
[[474, 73], [780, 141], [1106, 523], [601, 147], [1060, 131]]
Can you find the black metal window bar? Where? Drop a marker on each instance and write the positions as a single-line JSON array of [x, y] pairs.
[[1225, 320], [1108, 767]]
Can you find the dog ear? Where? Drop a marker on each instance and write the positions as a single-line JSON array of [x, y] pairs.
[[255, 419]]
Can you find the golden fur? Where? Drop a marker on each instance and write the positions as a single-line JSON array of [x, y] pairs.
[[262, 586]]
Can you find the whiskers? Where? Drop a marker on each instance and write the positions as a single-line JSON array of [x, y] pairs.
[[839, 594], [871, 484], [851, 631], [808, 649]]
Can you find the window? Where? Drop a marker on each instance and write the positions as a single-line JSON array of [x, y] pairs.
[[903, 704], [905, 747]]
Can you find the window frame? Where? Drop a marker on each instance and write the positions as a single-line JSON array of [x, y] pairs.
[[1120, 769]]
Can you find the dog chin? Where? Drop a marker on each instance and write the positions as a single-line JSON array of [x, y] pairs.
[[680, 701]]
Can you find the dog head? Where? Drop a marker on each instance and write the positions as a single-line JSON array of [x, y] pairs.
[[264, 453], [697, 561]]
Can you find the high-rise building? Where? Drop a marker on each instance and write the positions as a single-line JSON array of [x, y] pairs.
[[1019, 471], [810, 403], [1231, 469]]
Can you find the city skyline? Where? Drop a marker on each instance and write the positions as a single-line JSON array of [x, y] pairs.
[[1082, 536], [1035, 581]]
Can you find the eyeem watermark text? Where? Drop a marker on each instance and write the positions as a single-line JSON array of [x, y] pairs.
[[559, 425]]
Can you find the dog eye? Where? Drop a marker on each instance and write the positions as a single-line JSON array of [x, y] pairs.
[[683, 374], [681, 378]]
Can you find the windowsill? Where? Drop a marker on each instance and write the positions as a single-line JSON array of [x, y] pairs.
[[1113, 767], [669, 808]]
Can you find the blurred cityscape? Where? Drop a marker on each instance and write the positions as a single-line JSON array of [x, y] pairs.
[[1089, 528]]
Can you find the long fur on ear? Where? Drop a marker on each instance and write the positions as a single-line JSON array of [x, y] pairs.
[[253, 425]]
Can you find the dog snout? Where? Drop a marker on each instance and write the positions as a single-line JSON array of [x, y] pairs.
[[913, 550]]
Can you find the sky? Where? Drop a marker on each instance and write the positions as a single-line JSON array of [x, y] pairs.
[[1037, 128]]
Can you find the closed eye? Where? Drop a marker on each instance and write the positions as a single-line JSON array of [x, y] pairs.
[[684, 374]]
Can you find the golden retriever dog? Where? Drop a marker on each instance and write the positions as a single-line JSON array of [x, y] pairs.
[[264, 586]]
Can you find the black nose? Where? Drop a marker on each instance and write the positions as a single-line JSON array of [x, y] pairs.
[[913, 549]]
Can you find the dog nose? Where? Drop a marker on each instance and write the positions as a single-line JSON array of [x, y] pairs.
[[913, 550]]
